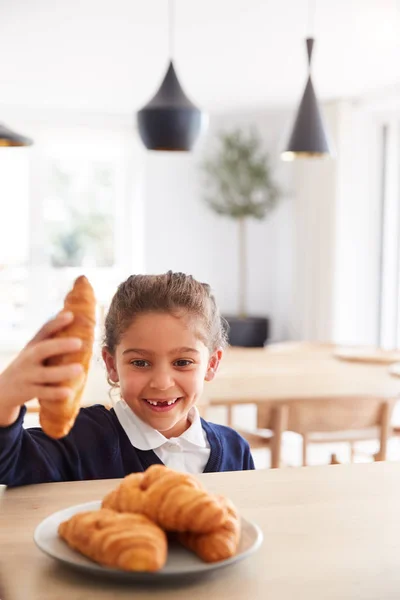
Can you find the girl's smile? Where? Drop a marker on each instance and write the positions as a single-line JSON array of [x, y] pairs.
[[161, 405]]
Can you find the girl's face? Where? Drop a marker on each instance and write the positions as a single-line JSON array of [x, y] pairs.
[[161, 365]]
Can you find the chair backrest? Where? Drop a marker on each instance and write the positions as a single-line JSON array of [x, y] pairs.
[[332, 414], [329, 414], [338, 414]]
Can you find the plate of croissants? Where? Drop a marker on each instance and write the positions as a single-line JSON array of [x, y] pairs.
[[156, 524]]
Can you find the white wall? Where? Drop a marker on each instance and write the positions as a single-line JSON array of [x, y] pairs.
[[336, 235], [357, 240], [314, 241], [183, 234]]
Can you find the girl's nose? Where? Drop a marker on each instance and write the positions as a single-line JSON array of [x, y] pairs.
[[161, 380]]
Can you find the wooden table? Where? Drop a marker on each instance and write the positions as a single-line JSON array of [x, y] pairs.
[[260, 375], [329, 532]]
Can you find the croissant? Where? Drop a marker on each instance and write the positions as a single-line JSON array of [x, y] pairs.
[[175, 501], [57, 418], [219, 544], [123, 541]]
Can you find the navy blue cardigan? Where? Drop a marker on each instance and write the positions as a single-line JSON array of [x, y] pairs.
[[97, 447]]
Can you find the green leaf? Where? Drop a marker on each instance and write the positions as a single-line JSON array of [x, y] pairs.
[[237, 177]]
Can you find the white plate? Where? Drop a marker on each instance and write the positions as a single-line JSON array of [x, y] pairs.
[[395, 369], [367, 354], [180, 561]]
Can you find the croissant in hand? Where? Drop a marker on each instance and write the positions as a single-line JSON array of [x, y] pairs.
[[123, 541], [219, 544], [57, 418], [175, 501]]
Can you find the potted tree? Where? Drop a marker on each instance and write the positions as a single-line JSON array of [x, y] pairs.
[[238, 184]]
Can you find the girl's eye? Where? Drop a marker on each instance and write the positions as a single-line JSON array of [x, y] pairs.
[[139, 363], [183, 363]]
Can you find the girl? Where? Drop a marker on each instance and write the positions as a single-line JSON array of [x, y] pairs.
[[164, 338]]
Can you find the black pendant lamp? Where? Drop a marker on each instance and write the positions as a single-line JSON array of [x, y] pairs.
[[308, 139], [170, 121], [9, 138]]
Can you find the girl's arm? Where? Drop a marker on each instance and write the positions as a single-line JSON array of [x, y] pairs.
[[29, 377], [29, 456], [248, 462], [91, 450]]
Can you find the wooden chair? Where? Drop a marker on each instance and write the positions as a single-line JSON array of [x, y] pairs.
[[258, 439], [270, 436], [336, 419]]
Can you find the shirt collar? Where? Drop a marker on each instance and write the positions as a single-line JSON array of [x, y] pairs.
[[143, 437]]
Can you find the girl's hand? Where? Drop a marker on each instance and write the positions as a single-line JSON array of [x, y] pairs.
[[28, 377]]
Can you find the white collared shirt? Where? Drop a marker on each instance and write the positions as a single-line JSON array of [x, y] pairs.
[[188, 453]]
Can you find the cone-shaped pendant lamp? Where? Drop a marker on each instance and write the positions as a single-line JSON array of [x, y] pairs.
[[308, 139], [10, 138], [170, 121]]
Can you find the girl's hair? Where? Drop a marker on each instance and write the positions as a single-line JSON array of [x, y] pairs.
[[169, 292]]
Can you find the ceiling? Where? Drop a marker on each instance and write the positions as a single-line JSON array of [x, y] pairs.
[[108, 56]]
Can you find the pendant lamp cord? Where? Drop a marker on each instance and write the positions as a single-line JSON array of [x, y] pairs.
[[311, 18], [310, 35], [171, 28]]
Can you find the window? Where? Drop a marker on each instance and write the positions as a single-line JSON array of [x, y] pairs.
[[70, 207], [79, 213], [14, 237], [389, 275]]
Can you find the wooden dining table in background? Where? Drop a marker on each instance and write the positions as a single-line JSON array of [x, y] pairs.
[[283, 372], [329, 532]]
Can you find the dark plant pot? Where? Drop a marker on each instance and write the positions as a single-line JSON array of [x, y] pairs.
[[250, 332]]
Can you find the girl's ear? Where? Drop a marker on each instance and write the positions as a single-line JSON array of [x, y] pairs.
[[213, 364], [109, 361]]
